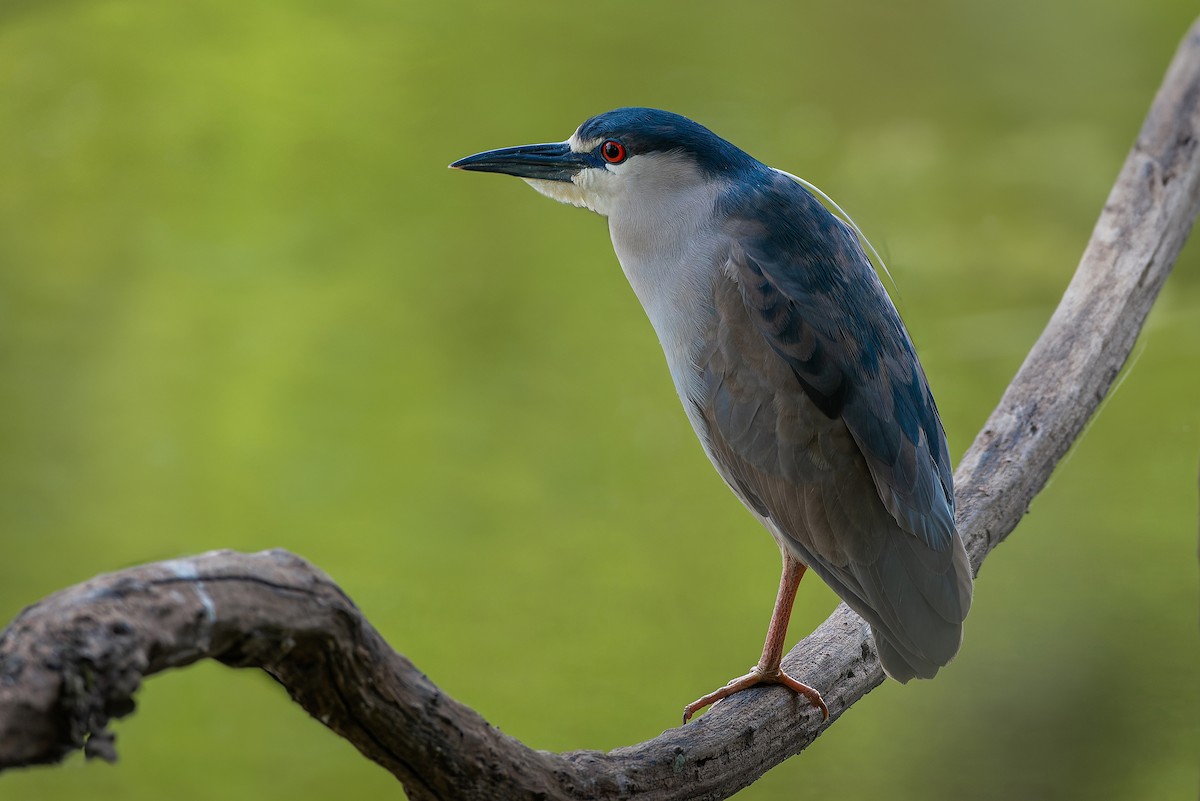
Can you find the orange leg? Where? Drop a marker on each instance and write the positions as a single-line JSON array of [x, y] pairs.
[[768, 671]]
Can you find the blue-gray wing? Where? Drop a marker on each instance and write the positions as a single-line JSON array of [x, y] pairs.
[[815, 410], [812, 294]]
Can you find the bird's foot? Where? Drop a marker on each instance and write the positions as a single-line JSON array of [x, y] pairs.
[[758, 676]]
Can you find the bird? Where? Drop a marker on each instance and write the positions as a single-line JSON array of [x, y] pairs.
[[793, 367]]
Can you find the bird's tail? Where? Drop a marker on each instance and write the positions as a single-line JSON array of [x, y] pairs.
[[922, 635]]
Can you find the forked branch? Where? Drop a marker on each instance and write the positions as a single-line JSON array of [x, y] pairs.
[[72, 662]]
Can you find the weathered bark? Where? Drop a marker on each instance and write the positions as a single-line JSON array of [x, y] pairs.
[[72, 662]]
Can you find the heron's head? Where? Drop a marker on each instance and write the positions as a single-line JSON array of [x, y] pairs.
[[628, 154]]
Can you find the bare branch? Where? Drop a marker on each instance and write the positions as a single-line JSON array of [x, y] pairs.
[[1143, 226], [72, 662]]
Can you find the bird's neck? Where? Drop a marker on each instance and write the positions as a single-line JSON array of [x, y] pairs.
[[666, 250]]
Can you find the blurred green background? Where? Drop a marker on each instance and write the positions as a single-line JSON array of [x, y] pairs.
[[243, 304]]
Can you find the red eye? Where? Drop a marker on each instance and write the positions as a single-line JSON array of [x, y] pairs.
[[613, 151]]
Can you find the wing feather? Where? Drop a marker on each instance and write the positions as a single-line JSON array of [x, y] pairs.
[[818, 415], [811, 293]]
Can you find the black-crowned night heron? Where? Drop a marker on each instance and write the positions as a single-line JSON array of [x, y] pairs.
[[793, 367]]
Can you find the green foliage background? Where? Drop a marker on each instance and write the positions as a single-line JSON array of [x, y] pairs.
[[243, 304]]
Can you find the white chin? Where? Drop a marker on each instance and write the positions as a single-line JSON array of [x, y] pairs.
[[563, 192]]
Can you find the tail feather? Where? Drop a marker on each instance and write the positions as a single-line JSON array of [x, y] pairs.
[[915, 599], [919, 632]]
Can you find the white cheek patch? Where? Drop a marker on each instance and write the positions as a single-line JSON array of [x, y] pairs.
[[562, 191]]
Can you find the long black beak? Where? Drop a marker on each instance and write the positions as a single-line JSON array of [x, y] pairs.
[[551, 162]]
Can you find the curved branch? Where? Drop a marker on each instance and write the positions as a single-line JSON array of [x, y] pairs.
[[72, 662]]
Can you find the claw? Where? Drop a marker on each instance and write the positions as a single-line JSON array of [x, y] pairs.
[[754, 677]]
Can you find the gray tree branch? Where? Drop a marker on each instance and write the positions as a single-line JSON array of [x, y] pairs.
[[72, 662]]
